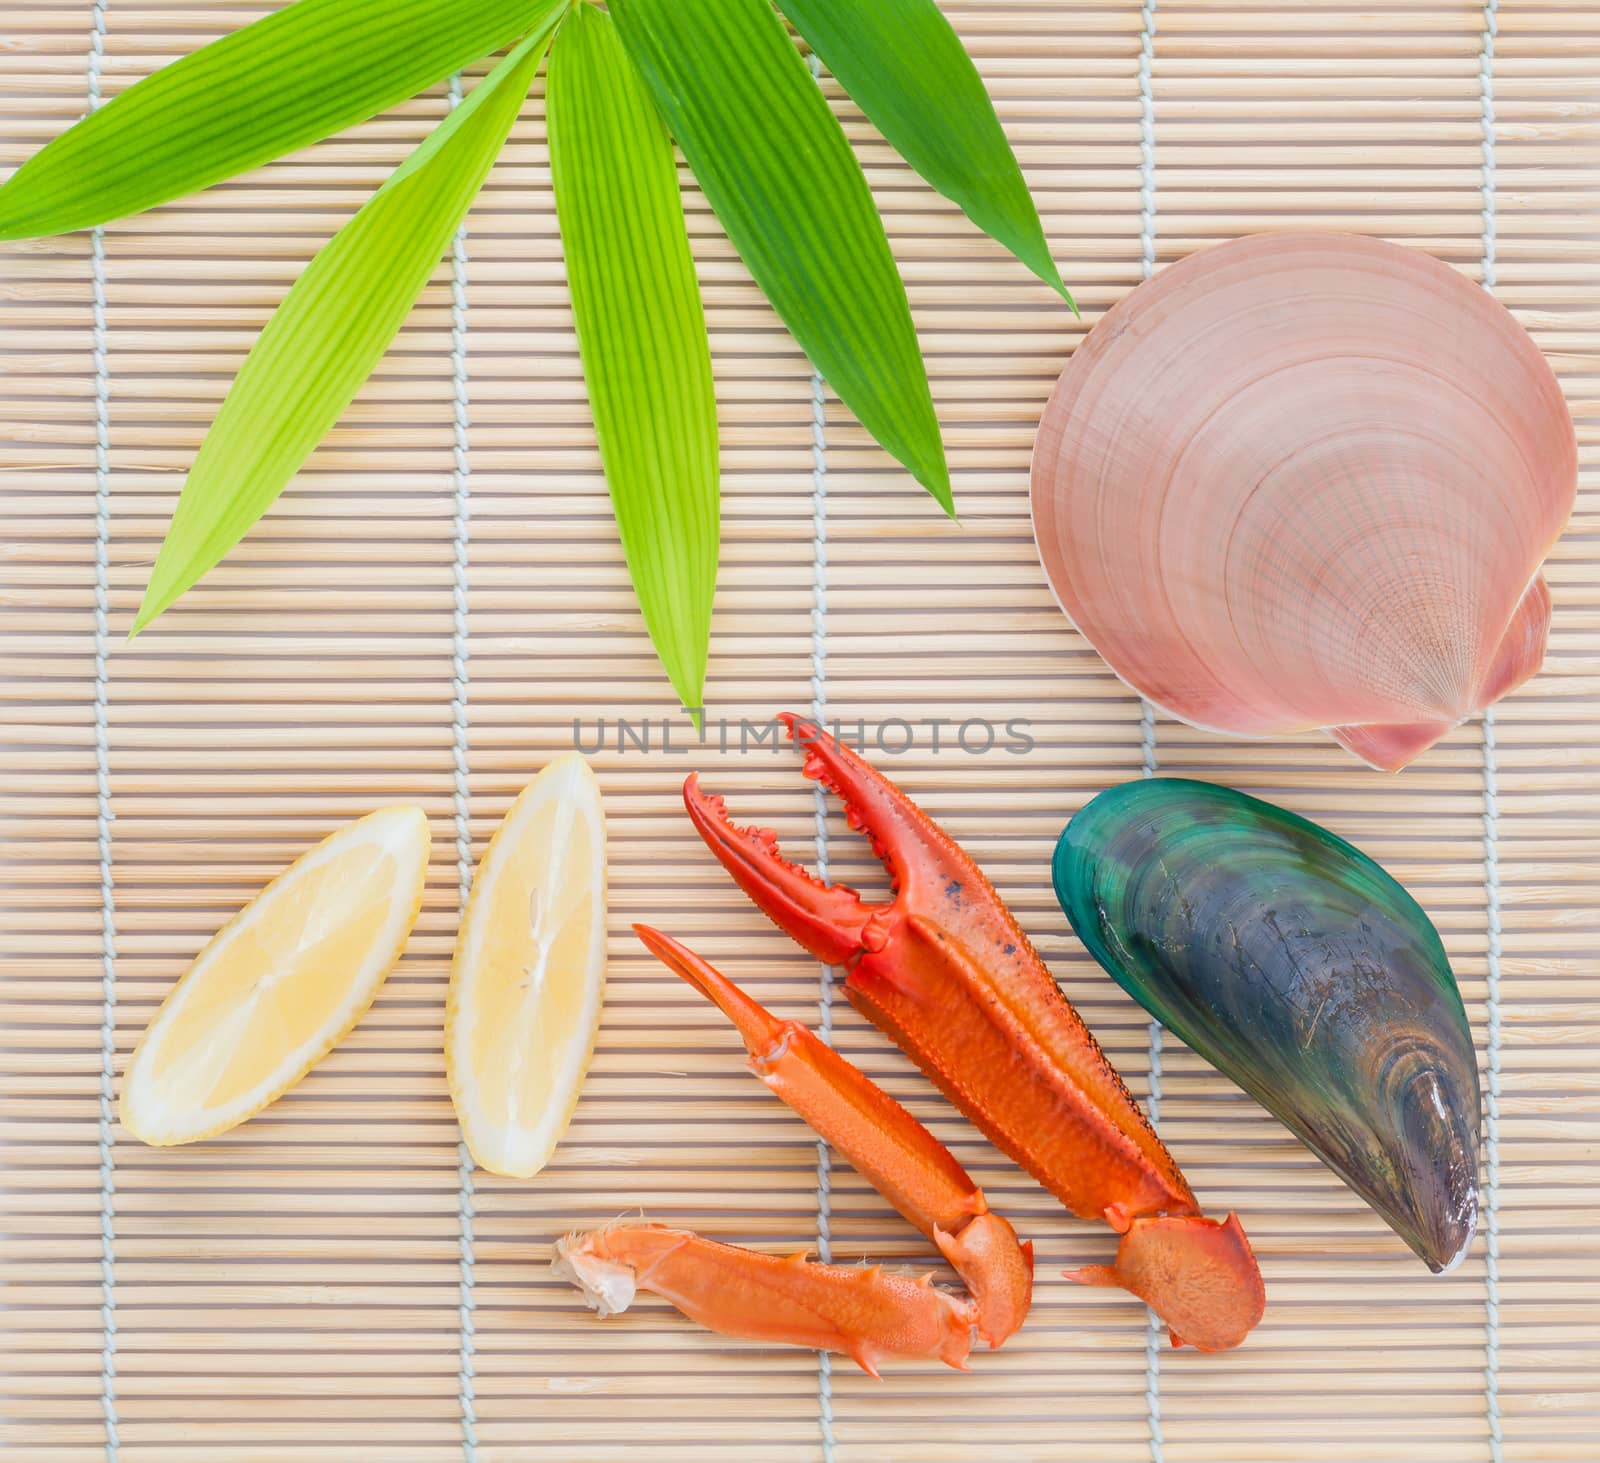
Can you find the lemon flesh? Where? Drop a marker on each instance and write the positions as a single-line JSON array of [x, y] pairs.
[[279, 985], [528, 978]]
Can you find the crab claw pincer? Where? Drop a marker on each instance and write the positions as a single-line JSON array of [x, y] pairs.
[[945, 971]]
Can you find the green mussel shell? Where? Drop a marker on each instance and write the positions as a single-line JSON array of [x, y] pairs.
[[1294, 964]]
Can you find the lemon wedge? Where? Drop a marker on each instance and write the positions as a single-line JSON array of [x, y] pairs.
[[529, 973], [279, 984]]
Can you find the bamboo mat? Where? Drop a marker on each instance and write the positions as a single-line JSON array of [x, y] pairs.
[[321, 1286]]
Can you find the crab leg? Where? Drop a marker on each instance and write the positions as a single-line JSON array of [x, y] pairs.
[[899, 1157], [947, 973], [867, 1314]]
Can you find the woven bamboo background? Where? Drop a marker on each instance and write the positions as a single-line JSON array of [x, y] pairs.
[[301, 1289]]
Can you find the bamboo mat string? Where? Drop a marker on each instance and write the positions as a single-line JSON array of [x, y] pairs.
[[102, 775], [1491, 852], [1147, 712], [460, 651], [1491, 1131], [819, 708]]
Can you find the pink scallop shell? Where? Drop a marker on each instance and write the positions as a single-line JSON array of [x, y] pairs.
[[1308, 480]]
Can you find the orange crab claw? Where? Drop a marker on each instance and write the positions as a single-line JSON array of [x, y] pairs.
[[829, 920], [947, 973], [899, 1157], [866, 1313], [1198, 1273]]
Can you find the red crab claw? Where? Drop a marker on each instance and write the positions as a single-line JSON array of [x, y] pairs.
[[948, 974], [829, 920]]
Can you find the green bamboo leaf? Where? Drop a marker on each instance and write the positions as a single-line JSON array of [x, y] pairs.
[[299, 74], [904, 66], [333, 327], [641, 334], [775, 166]]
